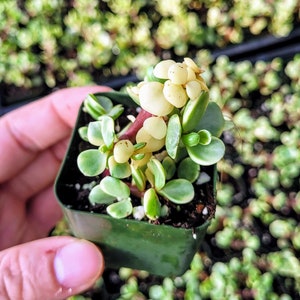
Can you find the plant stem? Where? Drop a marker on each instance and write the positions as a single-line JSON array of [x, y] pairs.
[[135, 191], [135, 126]]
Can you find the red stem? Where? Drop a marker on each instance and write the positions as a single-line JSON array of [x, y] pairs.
[[130, 134], [135, 126], [135, 191]]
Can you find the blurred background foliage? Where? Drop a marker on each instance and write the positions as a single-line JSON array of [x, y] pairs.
[[252, 248], [59, 42]]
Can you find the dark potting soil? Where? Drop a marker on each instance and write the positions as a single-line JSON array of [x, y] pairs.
[[190, 215]]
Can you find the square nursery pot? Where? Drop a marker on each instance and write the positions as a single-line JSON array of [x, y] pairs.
[[162, 250]]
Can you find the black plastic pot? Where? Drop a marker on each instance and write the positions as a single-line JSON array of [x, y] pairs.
[[159, 249]]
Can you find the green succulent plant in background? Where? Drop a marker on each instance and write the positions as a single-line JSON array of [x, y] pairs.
[[81, 42], [158, 153]]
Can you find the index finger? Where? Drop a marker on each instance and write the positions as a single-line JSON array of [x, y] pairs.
[[37, 126]]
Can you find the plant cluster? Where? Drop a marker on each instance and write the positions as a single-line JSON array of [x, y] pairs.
[[157, 153], [258, 199], [78, 43]]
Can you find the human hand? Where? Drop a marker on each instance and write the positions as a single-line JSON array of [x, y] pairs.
[[33, 140], [51, 268]]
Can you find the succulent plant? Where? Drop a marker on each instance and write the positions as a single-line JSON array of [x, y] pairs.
[[158, 153]]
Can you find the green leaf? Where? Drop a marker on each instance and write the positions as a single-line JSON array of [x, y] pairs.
[[149, 176], [191, 139], [115, 187], [169, 166], [138, 178], [179, 191], [193, 112], [212, 120], [158, 172], [181, 153], [173, 135], [116, 111], [91, 162], [138, 156], [108, 130], [206, 155], [118, 170], [98, 196], [139, 146], [82, 131], [133, 95], [94, 133], [104, 102], [121, 209], [116, 97], [93, 107], [204, 137], [188, 169], [151, 204]]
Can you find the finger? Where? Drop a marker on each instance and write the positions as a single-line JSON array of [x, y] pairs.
[[27, 202], [22, 223], [37, 175], [43, 213], [52, 268], [38, 125]]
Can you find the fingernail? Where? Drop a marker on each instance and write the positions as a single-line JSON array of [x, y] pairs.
[[78, 264]]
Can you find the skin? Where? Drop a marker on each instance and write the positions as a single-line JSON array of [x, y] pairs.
[[33, 141]]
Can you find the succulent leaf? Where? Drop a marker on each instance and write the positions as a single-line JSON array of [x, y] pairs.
[[193, 112], [107, 130], [191, 139], [150, 177], [188, 169], [93, 107], [204, 137], [207, 155], [169, 166], [151, 77], [156, 127], [82, 131], [94, 133], [123, 150], [212, 120], [116, 111], [118, 170], [121, 209], [173, 135], [179, 191], [152, 205], [162, 68], [151, 144], [91, 162], [153, 100], [115, 187], [138, 178], [98, 196], [158, 172], [104, 102]]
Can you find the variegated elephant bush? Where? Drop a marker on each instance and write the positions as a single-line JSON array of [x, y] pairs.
[[156, 155]]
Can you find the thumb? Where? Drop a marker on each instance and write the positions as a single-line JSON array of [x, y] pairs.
[[51, 268]]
